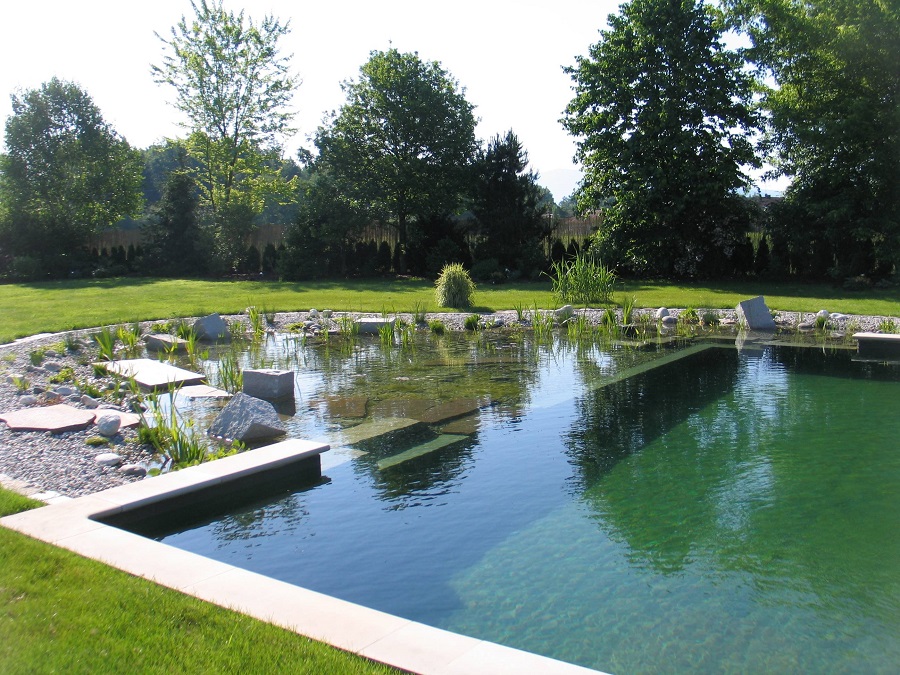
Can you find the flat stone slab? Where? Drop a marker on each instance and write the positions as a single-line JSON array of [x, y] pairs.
[[126, 419], [426, 448], [756, 314], [202, 391], [372, 326], [464, 425], [163, 342], [377, 428], [54, 418], [886, 345], [402, 407], [450, 409], [152, 374]]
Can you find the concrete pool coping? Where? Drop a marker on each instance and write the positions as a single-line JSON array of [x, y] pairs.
[[402, 643]]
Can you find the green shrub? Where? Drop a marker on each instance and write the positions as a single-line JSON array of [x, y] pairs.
[[472, 322], [437, 326], [454, 287]]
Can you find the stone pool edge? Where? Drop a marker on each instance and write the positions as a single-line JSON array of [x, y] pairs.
[[402, 643]]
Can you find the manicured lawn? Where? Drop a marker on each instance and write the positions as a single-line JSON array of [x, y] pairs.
[[61, 613], [63, 305]]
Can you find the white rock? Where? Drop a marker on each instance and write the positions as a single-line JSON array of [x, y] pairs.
[[564, 312], [27, 399], [108, 459], [89, 402], [669, 320], [52, 366], [661, 313], [823, 314], [326, 313], [108, 425], [64, 390], [313, 313]]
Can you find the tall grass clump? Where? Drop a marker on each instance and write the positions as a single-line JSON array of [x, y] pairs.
[[582, 280], [171, 435], [106, 343], [454, 287]]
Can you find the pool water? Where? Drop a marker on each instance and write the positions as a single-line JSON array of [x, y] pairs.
[[689, 509]]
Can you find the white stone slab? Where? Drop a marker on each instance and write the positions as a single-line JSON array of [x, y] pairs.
[[152, 374], [756, 314], [202, 391], [373, 325]]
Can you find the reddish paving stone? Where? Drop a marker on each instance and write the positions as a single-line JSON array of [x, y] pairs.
[[54, 418]]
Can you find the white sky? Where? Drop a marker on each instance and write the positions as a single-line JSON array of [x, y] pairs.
[[507, 54]]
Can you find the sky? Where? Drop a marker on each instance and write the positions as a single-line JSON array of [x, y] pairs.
[[507, 55]]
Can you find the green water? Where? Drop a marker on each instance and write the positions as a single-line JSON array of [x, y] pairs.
[[722, 512]]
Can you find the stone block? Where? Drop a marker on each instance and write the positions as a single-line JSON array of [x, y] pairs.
[[163, 342], [269, 384], [756, 314], [246, 418], [878, 345]]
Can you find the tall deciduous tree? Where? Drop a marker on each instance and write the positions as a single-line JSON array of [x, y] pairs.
[[662, 114], [508, 205], [402, 143], [235, 88], [67, 173], [833, 122]]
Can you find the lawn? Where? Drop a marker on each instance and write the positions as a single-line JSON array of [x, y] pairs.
[[63, 305], [61, 613]]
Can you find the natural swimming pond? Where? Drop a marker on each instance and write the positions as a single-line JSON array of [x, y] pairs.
[[687, 507]]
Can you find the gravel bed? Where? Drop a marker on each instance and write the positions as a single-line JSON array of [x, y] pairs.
[[64, 463]]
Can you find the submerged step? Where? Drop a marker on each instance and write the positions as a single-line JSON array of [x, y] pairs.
[[369, 433], [441, 441]]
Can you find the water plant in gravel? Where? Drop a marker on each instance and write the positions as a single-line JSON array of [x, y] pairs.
[[887, 326], [582, 280], [106, 343], [437, 327], [542, 323], [419, 313], [386, 334], [471, 322], [257, 322], [171, 434], [628, 305], [228, 375]]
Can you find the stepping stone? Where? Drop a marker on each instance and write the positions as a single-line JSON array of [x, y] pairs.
[[449, 410], [402, 407], [163, 342], [202, 391], [152, 374], [54, 418], [373, 325], [347, 406], [126, 419], [441, 441], [464, 425], [377, 429]]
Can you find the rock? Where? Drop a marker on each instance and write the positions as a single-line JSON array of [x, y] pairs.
[[51, 396], [163, 342], [563, 313], [51, 353], [806, 326], [211, 328], [37, 370], [755, 314], [27, 399], [65, 391], [246, 418], [823, 314], [661, 313], [52, 366], [133, 470], [12, 378], [108, 425], [89, 402], [326, 313], [108, 459], [668, 320], [372, 325], [837, 316], [313, 314]]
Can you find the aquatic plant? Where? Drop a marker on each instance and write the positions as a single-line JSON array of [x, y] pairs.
[[257, 322], [887, 325], [386, 333], [170, 434], [542, 324], [21, 383], [710, 319], [689, 316], [229, 375], [437, 326], [106, 343], [419, 313], [472, 321], [454, 287], [130, 337], [628, 305], [520, 311], [582, 280], [347, 326]]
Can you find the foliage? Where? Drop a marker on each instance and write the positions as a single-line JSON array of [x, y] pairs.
[[402, 143], [888, 326], [175, 243], [507, 203], [437, 327], [106, 343], [661, 113], [832, 97], [171, 434], [66, 173], [583, 281], [454, 287], [472, 321], [234, 87]]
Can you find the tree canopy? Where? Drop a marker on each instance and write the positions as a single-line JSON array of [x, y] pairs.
[[66, 174], [662, 116], [507, 203], [833, 117], [401, 146], [235, 88]]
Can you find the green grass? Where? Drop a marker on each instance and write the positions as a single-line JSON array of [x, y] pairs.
[[63, 613], [62, 305]]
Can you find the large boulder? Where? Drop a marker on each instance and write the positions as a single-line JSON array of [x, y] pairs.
[[211, 328], [246, 418]]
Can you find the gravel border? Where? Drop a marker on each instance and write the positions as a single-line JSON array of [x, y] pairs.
[[45, 464]]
